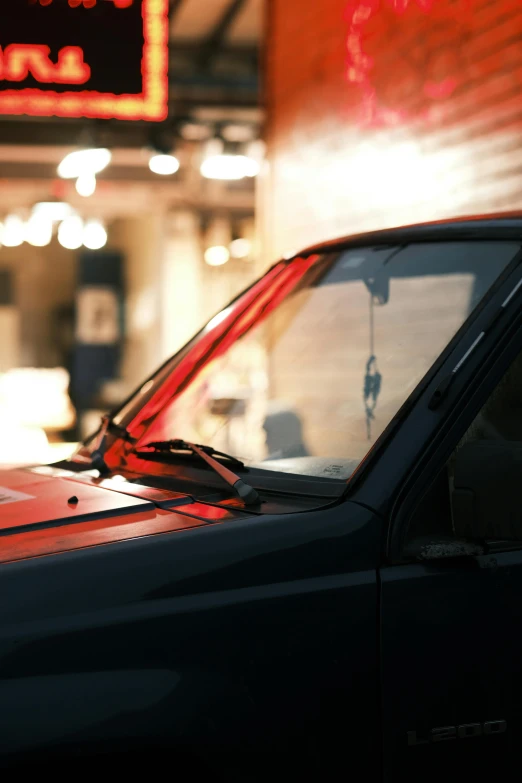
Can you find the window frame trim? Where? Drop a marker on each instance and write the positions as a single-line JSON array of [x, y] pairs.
[[427, 384], [496, 354]]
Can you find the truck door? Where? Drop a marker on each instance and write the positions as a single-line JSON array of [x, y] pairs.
[[451, 615]]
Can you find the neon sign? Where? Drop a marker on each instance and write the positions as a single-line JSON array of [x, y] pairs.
[[104, 59], [86, 3]]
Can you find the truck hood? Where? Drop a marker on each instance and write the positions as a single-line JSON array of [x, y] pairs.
[[29, 500], [45, 511]]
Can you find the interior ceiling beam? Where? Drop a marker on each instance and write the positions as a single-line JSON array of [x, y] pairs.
[[213, 42], [192, 49], [186, 101], [237, 62]]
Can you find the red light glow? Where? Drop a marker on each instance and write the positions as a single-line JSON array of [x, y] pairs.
[[86, 3], [20, 60], [432, 74]]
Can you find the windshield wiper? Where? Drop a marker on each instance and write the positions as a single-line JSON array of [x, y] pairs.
[[247, 493], [107, 427], [177, 444]]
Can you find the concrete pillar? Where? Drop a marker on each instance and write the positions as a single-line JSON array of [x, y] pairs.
[[181, 281], [10, 343], [141, 240]]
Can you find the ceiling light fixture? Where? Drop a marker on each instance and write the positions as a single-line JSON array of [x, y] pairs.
[[238, 132], [223, 160], [70, 233], [14, 231], [86, 185], [52, 210], [217, 255], [38, 231], [240, 248], [88, 161], [163, 164], [94, 235], [195, 131], [229, 167]]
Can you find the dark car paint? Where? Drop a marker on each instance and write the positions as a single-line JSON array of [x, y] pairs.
[[242, 641], [291, 646]]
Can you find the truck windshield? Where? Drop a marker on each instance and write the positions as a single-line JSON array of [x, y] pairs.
[[306, 379]]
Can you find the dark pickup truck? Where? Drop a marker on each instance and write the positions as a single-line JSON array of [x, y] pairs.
[[328, 586]]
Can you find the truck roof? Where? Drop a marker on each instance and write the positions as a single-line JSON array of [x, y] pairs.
[[506, 225]]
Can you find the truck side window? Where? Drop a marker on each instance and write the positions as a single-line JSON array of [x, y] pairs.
[[499, 421]]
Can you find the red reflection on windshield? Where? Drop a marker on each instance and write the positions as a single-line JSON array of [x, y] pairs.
[[250, 310]]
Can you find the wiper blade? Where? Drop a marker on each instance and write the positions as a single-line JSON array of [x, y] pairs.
[[247, 493], [178, 444]]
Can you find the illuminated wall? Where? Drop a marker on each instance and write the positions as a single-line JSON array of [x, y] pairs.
[[384, 112]]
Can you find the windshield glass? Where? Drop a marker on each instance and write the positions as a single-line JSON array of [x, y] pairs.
[[307, 380]]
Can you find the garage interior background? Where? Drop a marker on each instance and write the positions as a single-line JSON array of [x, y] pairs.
[[159, 270]]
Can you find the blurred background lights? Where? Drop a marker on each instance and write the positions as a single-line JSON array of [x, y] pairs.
[[38, 231], [94, 235], [217, 255], [52, 210], [163, 164], [240, 248], [238, 133], [86, 185], [70, 233], [14, 231], [194, 131], [229, 167], [89, 161]]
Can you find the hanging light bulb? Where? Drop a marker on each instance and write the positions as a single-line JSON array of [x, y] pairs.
[[38, 231], [163, 164], [52, 210], [217, 255], [70, 233], [94, 235], [222, 160], [229, 167], [86, 184], [240, 248], [89, 161], [14, 230]]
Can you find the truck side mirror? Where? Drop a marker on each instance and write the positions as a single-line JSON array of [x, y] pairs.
[[486, 490]]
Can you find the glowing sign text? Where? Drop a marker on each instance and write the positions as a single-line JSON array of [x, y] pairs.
[[19, 61], [85, 3]]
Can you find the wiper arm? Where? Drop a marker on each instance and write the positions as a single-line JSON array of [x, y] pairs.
[[108, 427], [247, 493]]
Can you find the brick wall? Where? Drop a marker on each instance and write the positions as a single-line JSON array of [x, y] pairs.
[[384, 112]]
